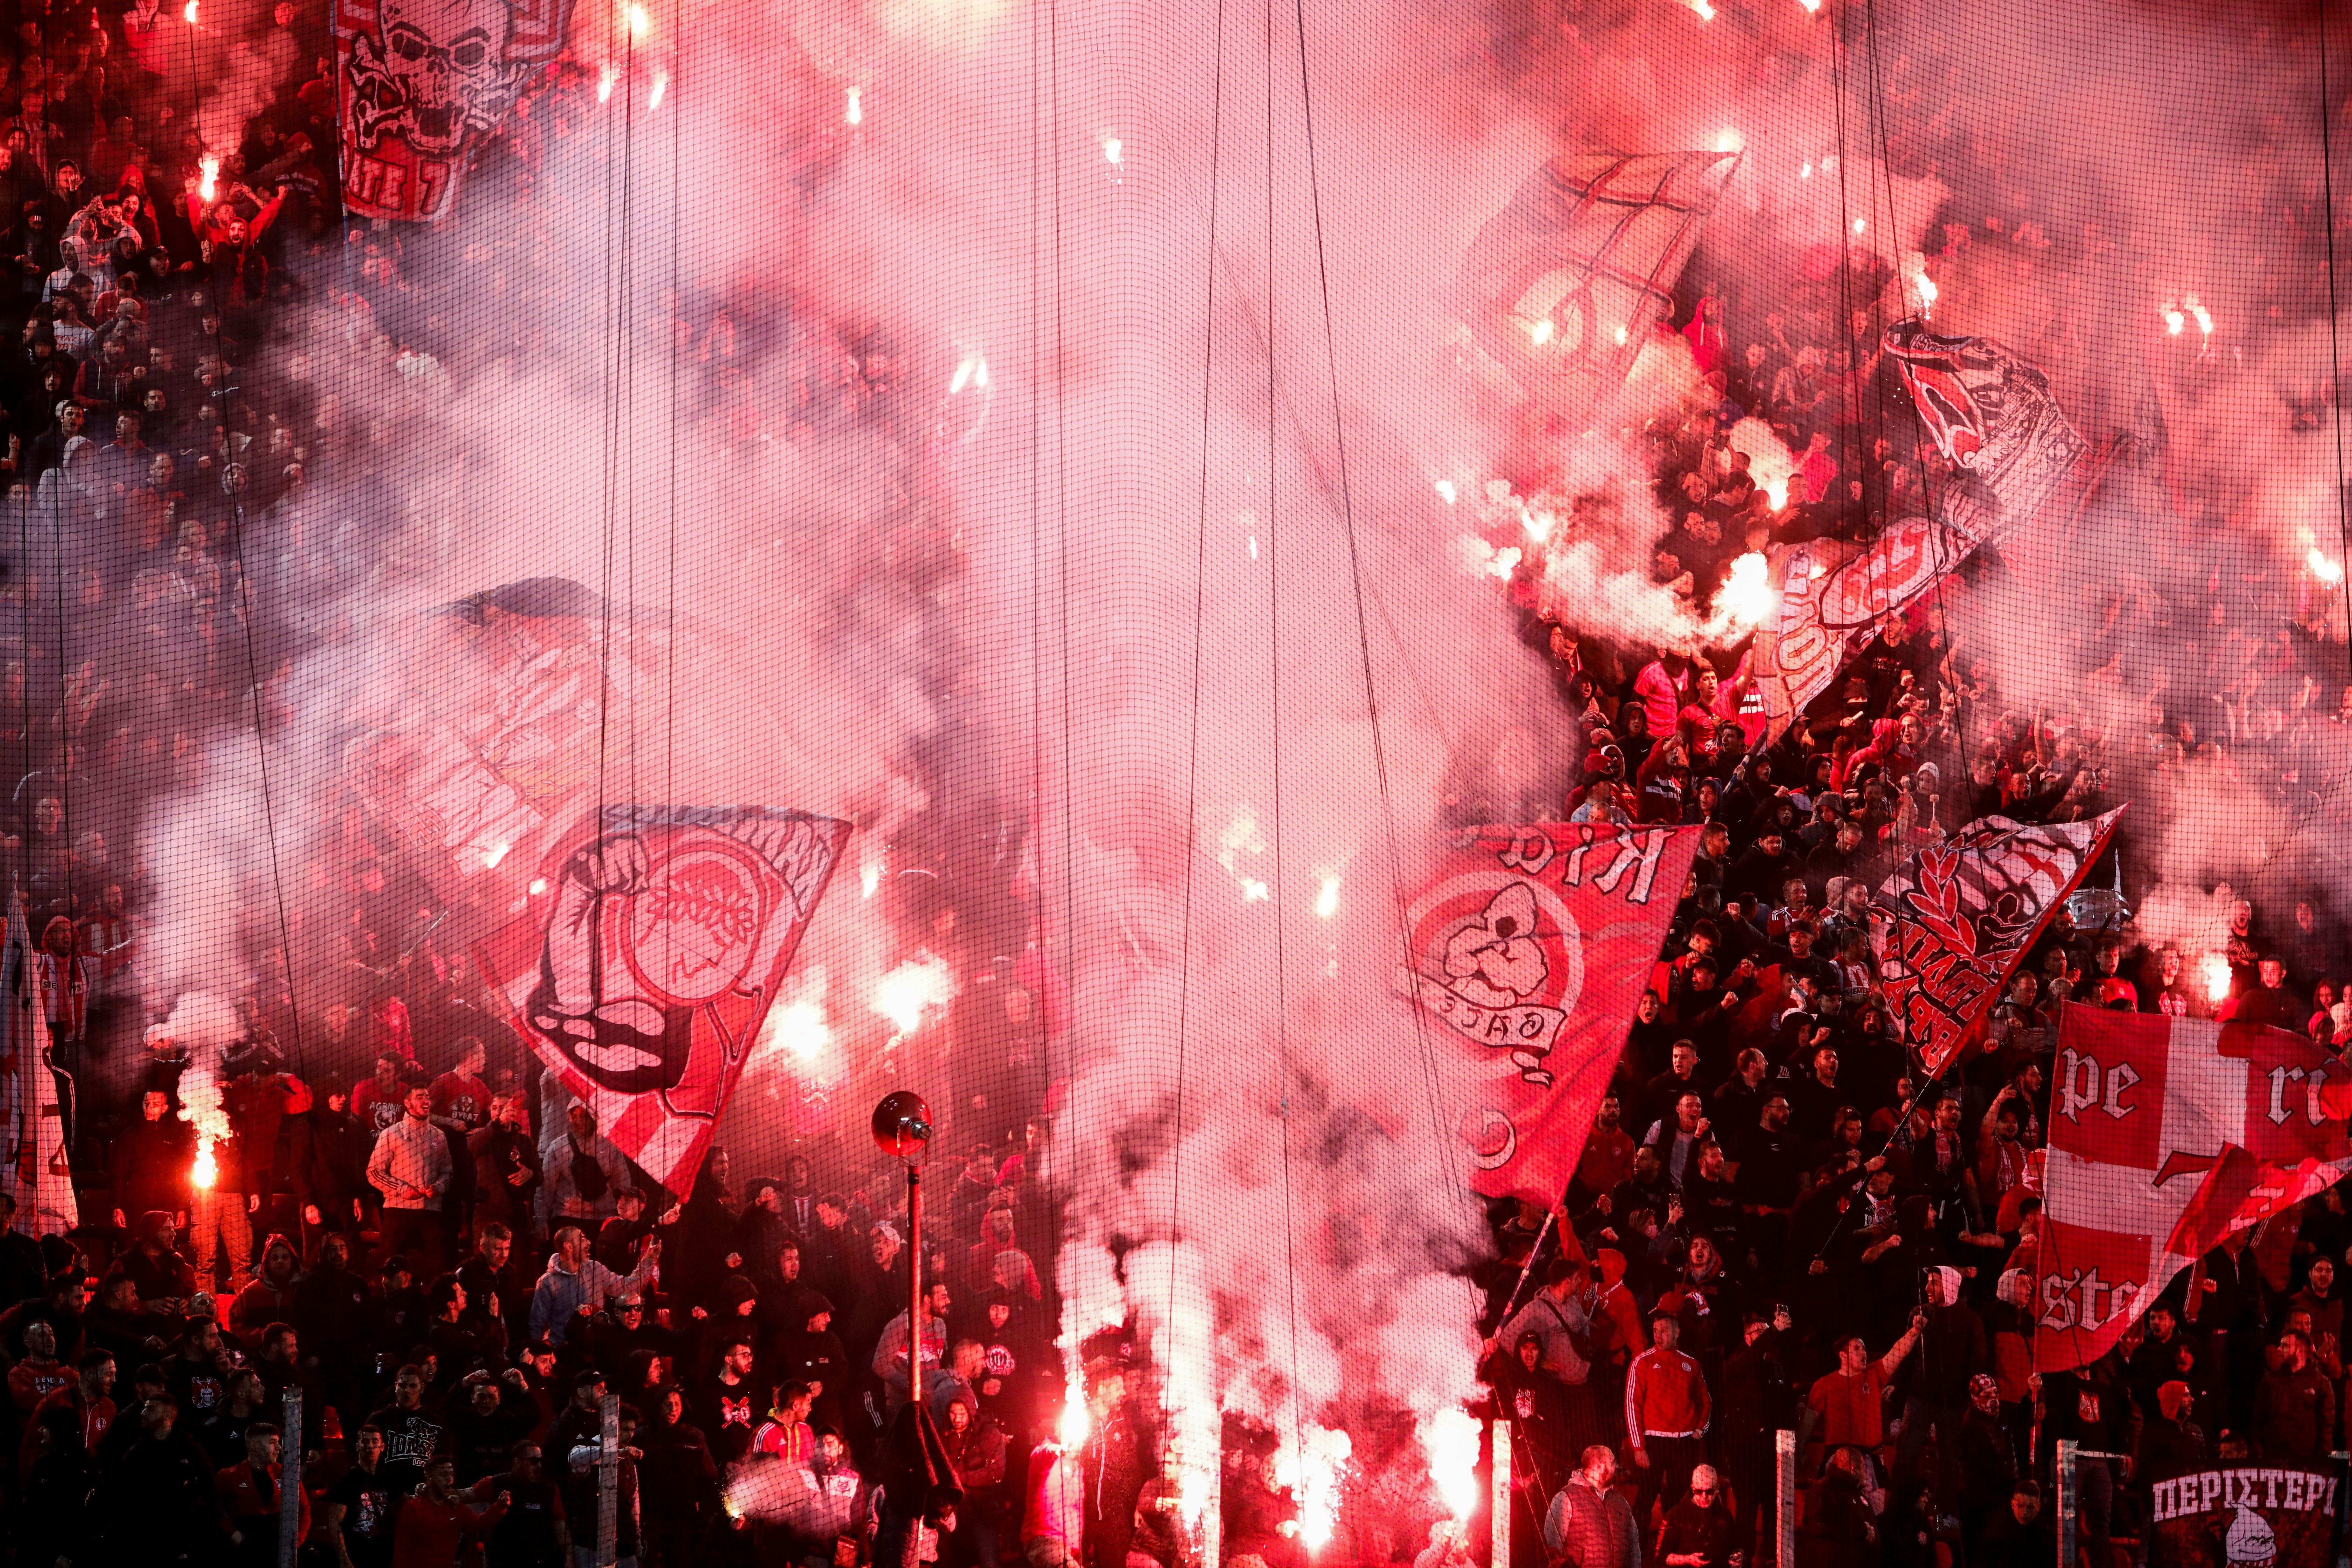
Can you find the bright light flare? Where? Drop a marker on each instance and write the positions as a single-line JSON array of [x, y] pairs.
[[1727, 141], [661, 89], [2214, 969], [493, 855], [1450, 1438], [1812, 7], [1777, 492], [1114, 149], [1077, 1421], [972, 371], [1621, 337], [1445, 491], [905, 994], [1326, 902], [604, 84], [1859, 225], [1506, 561], [1705, 12], [206, 1172], [1807, 171], [188, 13], [1540, 332], [802, 1030], [539, 886], [638, 22], [855, 114], [209, 167], [1314, 1478], [869, 878], [2328, 572], [1745, 596]]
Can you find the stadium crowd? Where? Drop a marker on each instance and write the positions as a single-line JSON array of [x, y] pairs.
[[1785, 1227]]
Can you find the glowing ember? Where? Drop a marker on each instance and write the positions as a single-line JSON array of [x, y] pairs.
[[206, 1172], [2326, 570], [902, 994], [2215, 970], [856, 112], [210, 166], [1745, 596], [2204, 317], [538, 887], [1326, 902], [1450, 1438]]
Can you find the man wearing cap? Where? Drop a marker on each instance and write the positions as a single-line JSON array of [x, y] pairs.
[[1666, 1415]]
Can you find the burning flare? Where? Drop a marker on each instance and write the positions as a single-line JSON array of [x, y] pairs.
[[1450, 1438], [2215, 970], [188, 13], [210, 166], [855, 114], [2327, 571], [902, 994], [1745, 596], [205, 1171], [1314, 1476]]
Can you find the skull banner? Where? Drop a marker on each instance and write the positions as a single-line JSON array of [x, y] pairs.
[[421, 84], [651, 947]]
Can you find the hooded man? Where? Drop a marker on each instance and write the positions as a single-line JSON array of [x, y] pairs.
[[576, 1284]]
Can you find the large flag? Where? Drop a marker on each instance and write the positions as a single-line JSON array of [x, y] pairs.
[[1530, 950], [1949, 927], [420, 85], [1563, 286], [2165, 1134], [1992, 417], [655, 945], [33, 1096]]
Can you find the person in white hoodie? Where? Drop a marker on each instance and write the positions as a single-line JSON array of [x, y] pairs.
[[411, 1168], [575, 1283]]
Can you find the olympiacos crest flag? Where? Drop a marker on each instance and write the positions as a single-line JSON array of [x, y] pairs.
[[421, 84], [2012, 452], [1529, 952], [1949, 928], [654, 945], [2165, 1134]]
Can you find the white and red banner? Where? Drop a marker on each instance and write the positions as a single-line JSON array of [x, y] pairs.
[[2165, 1134], [420, 88], [1530, 950], [1950, 927], [653, 944], [1992, 417]]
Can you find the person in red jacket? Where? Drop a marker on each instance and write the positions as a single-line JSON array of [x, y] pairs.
[[1667, 1417], [249, 1499], [434, 1524]]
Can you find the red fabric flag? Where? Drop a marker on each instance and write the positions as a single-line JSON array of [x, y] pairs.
[[649, 959], [1950, 927], [1530, 950], [2165, 1134]]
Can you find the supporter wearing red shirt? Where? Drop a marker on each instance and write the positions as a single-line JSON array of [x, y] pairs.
[[86, 1398], [249, 1494], [461, 1094], [1666, 1415], [1849, 1405], [377, 1102], [434, 1524]]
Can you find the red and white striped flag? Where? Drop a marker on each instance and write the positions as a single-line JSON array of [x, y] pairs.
[[2165, 1134]]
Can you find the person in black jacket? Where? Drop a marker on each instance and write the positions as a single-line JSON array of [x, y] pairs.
[[1987, 1462], [326, 1157], [1758, 1400], [157, 1503], [813, 1354], [150, 1163], [1952, 1351], [680, 1483]]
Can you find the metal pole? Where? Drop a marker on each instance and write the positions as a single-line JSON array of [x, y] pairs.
[[608, 1483], [1784, 1487], [2066, 1498], [1498, 1503], [289, 1485], [914, 1284]]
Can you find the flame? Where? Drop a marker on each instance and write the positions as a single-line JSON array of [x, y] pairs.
[[972, 371], [1777, 492], [1314, 1476], [661, 86], [869, 877], [206, 1172], [2173, 319], [2215, 970], [1445, 491], [1727, 141], [903, 995], [855, 114], [1541, 331], [493, 855], [1745, 596], [604, 85], [1450, 1438], [638, 22], [188, 13], [1326, 902], [538, 887], [1076, 1420], [801, 1029], [210, 164], [2328, 572]]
